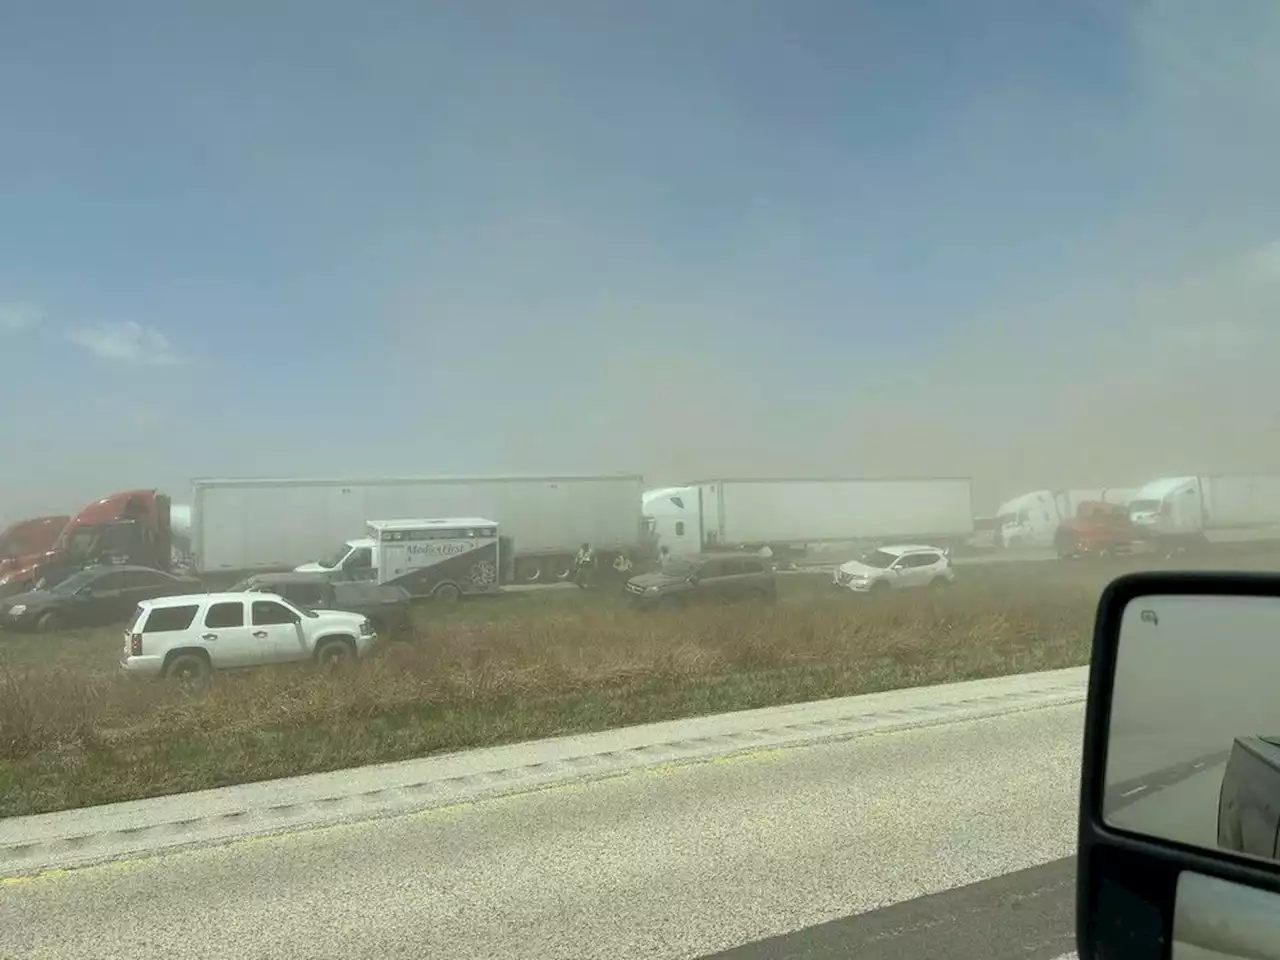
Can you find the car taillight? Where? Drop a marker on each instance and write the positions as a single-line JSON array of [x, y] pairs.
[[135, 644]]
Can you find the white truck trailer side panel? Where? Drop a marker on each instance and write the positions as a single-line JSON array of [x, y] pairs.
[[245, 525], [795, 511], [1237, 501]]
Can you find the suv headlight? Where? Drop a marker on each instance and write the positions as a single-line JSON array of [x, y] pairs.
[[17, 610], [366, 628]]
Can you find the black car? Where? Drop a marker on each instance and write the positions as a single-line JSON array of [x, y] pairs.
[[711, 577], [386, 605], [94, 596]]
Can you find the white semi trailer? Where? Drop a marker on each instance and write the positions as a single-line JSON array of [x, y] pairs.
[[790, 515], [241, 525], [1182, 512]]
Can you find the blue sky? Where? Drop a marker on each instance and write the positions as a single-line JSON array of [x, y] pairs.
[[680, 238]]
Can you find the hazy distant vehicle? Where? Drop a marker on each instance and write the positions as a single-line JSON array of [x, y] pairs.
[[896, 567], [705, 577], [791, 516], [95, 596]]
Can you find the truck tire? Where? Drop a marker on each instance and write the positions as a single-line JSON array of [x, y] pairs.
[[335, 652], [448, 592], [530, 570], [939, 583], [189, 670]]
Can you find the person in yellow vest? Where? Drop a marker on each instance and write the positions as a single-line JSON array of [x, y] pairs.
[[584, 564]]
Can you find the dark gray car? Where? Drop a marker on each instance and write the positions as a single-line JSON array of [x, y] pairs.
[[386, 605], [705, 577]]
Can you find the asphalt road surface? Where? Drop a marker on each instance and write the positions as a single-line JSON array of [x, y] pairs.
[[943, 842]]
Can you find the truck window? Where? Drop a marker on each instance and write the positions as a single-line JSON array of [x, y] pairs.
[[269, 613], [224, 615], [679, 528], [360, 559], [165, 619]]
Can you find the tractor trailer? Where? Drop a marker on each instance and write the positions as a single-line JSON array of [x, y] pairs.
[[246, 525], [788, 516]]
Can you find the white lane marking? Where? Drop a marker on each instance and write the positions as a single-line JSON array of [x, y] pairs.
[[1130, 793]]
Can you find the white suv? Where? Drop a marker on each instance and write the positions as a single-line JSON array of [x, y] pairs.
[[186, 637], [899, 567]]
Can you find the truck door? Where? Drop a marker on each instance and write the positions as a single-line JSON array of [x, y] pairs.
[[358, 565], [276, 629]]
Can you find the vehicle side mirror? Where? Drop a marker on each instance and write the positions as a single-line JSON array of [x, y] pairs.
[[1179, 827]]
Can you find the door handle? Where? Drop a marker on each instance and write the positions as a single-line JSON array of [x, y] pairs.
[[260, 634], [209, 636]]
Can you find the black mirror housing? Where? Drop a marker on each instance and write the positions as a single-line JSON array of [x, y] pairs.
[[1129, 882]]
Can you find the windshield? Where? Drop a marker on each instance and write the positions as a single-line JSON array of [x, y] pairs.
[[80, 543], [1144, 506], [878, 559], [74, 582], [336, 558], [679, 567]]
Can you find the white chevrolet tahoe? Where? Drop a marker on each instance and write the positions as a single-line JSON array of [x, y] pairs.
[[187, 637]]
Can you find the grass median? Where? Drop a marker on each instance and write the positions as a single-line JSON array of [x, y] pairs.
[[73, 733]]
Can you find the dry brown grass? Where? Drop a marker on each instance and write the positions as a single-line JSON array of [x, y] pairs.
[[74, 733]]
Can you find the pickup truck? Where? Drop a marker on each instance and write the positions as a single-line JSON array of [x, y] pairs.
[[385, 605], [1249, 801]]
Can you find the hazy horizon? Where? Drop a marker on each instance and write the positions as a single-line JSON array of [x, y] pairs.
[[737, 238]]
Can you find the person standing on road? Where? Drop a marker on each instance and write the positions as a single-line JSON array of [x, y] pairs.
[[584, 562]]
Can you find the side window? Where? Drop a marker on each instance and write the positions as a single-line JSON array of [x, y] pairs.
[[360, 559], [135, 579], [752, 566], [679, 528], [711, 570], [166, 619], [1024, 516], [268, 613], [107, 582], [223, 615]]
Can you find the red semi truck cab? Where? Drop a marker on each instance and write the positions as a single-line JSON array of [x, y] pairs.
[[26, 541], [127, 527], [1099, 528]]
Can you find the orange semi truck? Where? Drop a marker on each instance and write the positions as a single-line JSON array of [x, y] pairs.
[[127, 527], [25, 541], [1099, 529]]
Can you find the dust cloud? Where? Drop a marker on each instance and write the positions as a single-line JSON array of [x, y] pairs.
[[1150, 351]]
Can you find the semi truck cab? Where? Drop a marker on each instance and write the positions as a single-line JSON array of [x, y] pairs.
[[128, 527]]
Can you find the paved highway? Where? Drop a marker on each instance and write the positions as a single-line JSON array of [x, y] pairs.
[[948, 842]]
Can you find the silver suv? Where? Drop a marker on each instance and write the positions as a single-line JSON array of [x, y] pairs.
[[896, 567], [187, 637]]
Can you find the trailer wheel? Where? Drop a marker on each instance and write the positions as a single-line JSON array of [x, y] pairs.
[[447, 591], [529, 570]]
